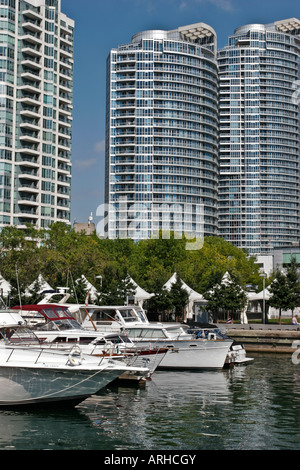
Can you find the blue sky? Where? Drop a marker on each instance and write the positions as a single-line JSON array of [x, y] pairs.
[[101, 25]]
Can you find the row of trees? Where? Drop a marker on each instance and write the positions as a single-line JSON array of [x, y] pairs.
[[61, 255], [285, 288]]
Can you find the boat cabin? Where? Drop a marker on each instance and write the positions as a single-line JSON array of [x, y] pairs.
[[57, 315], [157, 331], [107, 318], [54, 323], [13, 329]]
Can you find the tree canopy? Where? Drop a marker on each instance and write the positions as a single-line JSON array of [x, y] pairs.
[[227, 298], [59, 251], [285, 288]]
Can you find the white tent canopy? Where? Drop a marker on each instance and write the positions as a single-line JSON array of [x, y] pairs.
[[89, 287], [226, 279], [5, 287], [264, 294], [42, 283], [193, 295], [140, 294]]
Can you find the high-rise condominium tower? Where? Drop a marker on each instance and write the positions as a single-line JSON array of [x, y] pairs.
[[162, 134], [259, 136], [36, 83]]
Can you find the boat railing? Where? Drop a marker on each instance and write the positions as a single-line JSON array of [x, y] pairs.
[[74, 357]]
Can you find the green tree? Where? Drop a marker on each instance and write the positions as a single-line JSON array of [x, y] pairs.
[[228, 298], [159, 304], [179, 298], [78, 292], [285, 288], [117, 286], [278, 289], [58, 252]]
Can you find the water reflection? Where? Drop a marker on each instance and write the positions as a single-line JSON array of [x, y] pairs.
[[252, 407], [42, 430], [175, 411]]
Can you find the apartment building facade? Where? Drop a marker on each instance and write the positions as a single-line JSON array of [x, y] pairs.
[[259, 136], [36, 102], [162, 134]]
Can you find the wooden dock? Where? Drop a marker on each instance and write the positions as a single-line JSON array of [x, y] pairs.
[[265, 337]]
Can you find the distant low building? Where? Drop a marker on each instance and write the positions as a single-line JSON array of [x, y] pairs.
[[87, 227], [284, 254]]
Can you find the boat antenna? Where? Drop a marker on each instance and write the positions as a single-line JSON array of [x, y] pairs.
[[3, 304], [74, 288], [19, 292]]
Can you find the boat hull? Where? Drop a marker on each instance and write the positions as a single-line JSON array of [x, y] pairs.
[[31, 385], [30, 375], [199, 354]]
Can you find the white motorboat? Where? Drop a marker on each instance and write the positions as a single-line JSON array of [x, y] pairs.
[[33, 375], [125, 318], [56, 328], [108, 318], [185, 351], [236, 355]]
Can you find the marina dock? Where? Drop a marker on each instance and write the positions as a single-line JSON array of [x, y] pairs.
[[265, 337]]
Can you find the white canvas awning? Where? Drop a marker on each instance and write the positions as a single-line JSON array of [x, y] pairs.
[[5, 287], [259, 295], [226, 279], [44, 286], [89, 288], [140, 294]]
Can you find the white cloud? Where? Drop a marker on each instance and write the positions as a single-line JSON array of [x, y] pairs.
[[222, 4], [85, 163], [100, 146], [153, 5]]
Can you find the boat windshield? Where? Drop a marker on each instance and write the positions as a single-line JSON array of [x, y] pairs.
[[129, 315], [116, 339], [60, 325], [101, 315], [142, 316], [18, 335], [204, 333], [54, 312], [119, 339], [146, 333], [175, 330]]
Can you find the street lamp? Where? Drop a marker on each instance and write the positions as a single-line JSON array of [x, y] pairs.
[[263, 275]]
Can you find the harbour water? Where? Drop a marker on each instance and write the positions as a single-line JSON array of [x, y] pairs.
[[253, 407]]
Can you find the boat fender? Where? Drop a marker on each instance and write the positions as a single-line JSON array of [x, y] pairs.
[[75, 356]]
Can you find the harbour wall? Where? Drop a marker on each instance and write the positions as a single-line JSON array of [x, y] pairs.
[[265, 338]]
